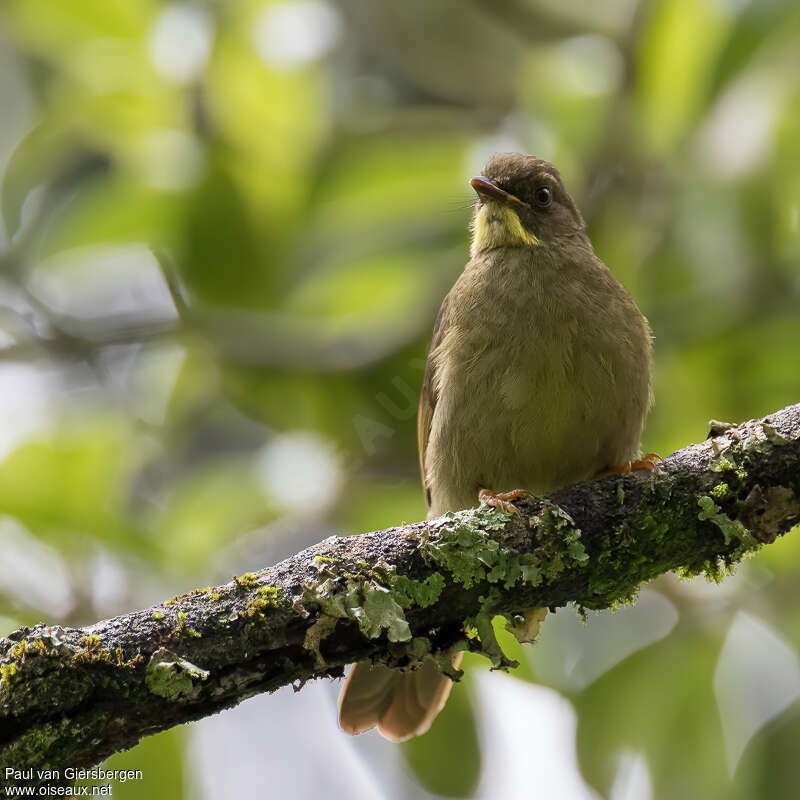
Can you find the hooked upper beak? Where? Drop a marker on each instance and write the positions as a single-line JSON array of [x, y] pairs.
[[489, 190]]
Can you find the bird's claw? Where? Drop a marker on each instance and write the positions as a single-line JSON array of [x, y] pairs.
[[647, 462], [502, 500]]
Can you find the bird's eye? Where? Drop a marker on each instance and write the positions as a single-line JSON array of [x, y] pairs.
[[543, 196]]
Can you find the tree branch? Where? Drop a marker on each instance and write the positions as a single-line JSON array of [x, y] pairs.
[[71, 697]]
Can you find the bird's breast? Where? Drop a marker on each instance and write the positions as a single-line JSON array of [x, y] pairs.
[[528, 391]]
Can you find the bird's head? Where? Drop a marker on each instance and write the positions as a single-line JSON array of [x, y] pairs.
[[521, 203]]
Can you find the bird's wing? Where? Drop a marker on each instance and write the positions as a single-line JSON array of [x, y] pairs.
[[427, 397]]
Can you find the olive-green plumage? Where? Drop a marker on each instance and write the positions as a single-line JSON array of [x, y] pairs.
[[538, 375]]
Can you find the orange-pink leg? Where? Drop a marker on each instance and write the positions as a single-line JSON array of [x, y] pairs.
[[502, 500], [647, 462]]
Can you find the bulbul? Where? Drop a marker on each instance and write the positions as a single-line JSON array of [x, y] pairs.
[[538, 376]]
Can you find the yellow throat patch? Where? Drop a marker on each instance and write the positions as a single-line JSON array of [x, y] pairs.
[[499, 226]]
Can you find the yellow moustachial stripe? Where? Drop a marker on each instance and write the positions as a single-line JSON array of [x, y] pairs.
[[499, 226]]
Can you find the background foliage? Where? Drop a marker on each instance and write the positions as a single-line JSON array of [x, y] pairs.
[[303, 166]]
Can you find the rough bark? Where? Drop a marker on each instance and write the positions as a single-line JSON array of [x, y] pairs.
[[71, 697]]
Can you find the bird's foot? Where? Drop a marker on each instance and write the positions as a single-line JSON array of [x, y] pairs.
[[647, 463], [502, 500]]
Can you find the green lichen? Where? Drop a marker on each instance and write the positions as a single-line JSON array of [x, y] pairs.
[[725, 464], [157, 616], [36, 648], [367, 602], [194, 593], [314, 636], [466, 546], [489, 646], [60, 742], [410, 592], [375, 598], [732, 529], [183, 630], [625, 556], [8, 673], [720, 491], [468, 549], [381, 612], [93, 651], [246, 581], [172, 677], [271, 595], [481, 635], [267, 597]]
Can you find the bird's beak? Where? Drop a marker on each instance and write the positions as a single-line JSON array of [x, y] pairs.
[[488, 190]]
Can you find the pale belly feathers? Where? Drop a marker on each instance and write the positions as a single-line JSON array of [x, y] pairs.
[[539, 401]]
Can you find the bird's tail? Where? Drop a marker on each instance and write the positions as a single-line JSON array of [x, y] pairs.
[[401, 704]]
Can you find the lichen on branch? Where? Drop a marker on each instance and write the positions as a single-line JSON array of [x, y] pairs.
[[71, 697]]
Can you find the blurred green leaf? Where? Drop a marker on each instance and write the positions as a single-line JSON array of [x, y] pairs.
[[207, 509], [782, 557], [372, 504], [51, 26], [755, 25], [43, 153], [447, 760], [676, 57], [73, 483], [117, 209], [749, 371], [373, 287], [219, 258], [383, 183], [271, 121], [769, 767], [658, 703], [160, 758]]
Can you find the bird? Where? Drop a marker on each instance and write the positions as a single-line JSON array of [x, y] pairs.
[[538, 376]]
